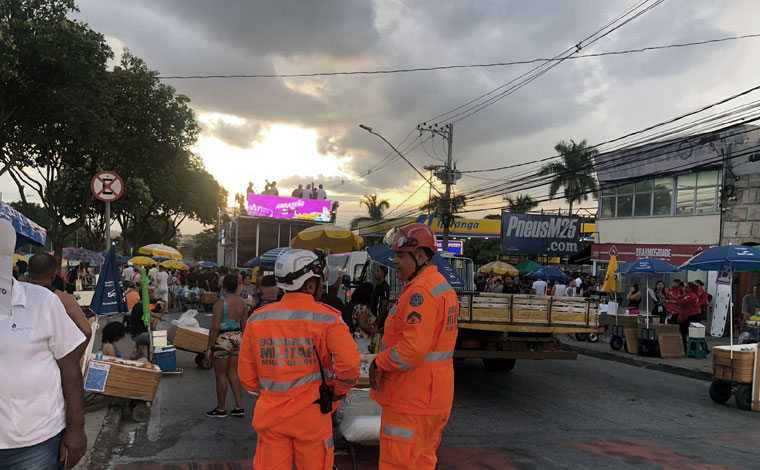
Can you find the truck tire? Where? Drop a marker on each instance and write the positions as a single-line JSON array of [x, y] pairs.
[[743, 396], [499, 365], [581, 336], [720, 391]]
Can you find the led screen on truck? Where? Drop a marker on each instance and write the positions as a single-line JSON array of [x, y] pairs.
[[278, 207]]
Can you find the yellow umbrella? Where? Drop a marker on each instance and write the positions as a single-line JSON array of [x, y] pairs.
[[17, 257], [163, 251], [611, 278], [328, 237], [498, 268], [142, 261], [174, 264]]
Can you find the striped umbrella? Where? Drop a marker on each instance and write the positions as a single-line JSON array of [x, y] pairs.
[[72, 253], [157, 249], [269, 258]]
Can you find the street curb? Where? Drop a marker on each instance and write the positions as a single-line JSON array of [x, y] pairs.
[[638, 362], [102, 452]]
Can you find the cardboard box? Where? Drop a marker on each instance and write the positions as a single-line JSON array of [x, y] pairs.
[[189, 339], [626, 321], [665, 328], [743, 363], [122, 378]]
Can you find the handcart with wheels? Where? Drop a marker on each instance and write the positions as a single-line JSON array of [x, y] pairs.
[[733, 374], [191, 339]]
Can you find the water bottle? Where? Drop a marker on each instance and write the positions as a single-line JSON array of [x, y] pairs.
[[99, 355]]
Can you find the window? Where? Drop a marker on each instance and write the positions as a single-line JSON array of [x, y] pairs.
[[691, 193]]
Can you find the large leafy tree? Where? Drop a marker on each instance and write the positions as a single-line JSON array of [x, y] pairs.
[[436, 204], [520, 204], [574, 173], [375, 210], [54, 109]]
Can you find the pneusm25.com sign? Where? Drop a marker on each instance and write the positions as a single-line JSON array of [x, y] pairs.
[[532, 234]]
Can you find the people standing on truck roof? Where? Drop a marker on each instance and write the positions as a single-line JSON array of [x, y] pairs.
[[297, 192], [306, 192], [299, 357], [416, 355], [321, 193]]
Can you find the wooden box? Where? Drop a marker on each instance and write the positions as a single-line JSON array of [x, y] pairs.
[[664, 328], [208, 298], [116, 377], [626, 321], [632, 340], [744, 362], [189, 339]]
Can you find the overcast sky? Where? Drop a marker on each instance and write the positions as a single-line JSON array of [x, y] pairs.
[[306, 129]]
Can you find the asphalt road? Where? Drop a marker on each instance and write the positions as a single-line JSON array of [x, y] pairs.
[[584, 414]]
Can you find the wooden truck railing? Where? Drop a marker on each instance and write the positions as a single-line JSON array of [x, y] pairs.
[[527, 313]]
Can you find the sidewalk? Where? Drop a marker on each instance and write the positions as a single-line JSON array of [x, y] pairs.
[[701, 369]]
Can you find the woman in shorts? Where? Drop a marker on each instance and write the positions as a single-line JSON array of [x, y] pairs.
[[230, 315]]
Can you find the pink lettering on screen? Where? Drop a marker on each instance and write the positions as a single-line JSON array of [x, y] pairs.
[[277, 207]]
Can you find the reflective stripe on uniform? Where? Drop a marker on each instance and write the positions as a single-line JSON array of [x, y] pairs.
[[329, 442], [293, 315], [397, 431], [272, 386], [347, 381], [438, 356], [397, 359], [392, 312], [383, 347], [441, 288]]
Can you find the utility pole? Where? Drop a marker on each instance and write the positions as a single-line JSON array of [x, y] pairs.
[[448, 175]]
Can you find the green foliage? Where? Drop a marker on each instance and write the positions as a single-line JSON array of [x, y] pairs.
[[482, 251], [521, 204], [375, 210], [203, 245], [575, 173], [436, 205]]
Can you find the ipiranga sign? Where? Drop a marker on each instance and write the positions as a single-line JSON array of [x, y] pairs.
[[533, 234]]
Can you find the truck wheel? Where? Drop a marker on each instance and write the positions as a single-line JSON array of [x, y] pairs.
[[593, 337], [616, 342], [720, 391], [743, 396], [581, 336], [499, 365]]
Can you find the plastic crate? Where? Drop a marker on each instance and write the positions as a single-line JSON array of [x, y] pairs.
[[165, 357]]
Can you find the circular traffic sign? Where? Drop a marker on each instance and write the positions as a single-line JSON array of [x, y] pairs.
[[107, 186]]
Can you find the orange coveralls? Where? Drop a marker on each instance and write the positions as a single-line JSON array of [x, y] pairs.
[[277, 359], [416, 390]]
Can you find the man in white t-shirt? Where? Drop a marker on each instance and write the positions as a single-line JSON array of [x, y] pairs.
[[539, 287], [321, 194], [41, 390], [161, 283], [306, 192]]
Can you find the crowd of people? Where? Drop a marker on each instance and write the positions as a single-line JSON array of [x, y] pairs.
[[579, 285], [311, 191]]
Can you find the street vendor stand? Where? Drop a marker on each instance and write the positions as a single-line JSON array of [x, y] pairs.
[[735, 367]]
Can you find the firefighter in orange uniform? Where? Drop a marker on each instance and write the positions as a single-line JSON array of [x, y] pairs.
[[279, 361], [412, 377]]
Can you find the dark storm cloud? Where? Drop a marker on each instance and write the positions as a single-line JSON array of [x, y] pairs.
[[242, 136], [238, 37]]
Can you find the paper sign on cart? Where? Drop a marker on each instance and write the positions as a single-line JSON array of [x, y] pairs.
[[97, 376]]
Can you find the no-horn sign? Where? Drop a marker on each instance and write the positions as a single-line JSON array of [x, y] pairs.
[[107, 186]]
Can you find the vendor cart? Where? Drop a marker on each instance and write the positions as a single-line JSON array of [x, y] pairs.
[[733, 374], [194, 340], [135, 381]]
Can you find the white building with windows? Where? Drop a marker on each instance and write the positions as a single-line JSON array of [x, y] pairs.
[[667, 200]]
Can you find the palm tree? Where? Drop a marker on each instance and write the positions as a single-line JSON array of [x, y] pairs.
[[458, 203], [521, 204], [375, 210], [575, 173]]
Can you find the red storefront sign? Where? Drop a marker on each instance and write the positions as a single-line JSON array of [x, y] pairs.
[[625, 252]]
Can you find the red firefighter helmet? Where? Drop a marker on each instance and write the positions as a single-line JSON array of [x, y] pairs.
[[410, 237]]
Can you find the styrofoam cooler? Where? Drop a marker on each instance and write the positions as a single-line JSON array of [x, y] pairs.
[[165, 357], [696, 330]]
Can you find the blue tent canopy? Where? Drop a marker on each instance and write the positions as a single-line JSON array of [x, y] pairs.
[[109, 297], [268, 259], [647, 266], [740, 257], [384, 255], [548, 274], [27, 232]]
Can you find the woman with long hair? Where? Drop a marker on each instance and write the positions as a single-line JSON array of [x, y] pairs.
[[230, 315], [362, 319], [634, 299], [658, 309]]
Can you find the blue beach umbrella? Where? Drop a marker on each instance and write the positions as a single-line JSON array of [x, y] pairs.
[[109, 298], [80, 254], [739, 257], [27, 232], [207, 264], [253, 262], [548, 274], [647, 266], [384, 255]]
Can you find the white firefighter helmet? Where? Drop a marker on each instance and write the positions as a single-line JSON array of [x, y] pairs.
[[295, 267]]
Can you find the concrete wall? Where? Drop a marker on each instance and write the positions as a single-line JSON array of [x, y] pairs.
[[675, 230], [741, 221]]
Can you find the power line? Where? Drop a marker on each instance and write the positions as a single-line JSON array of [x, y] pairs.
[[462, 66]]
